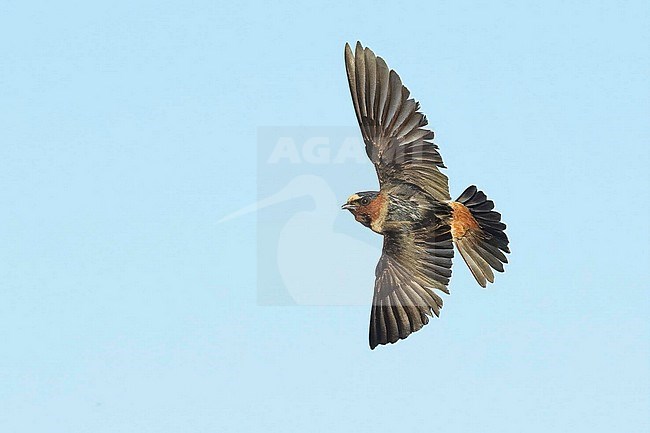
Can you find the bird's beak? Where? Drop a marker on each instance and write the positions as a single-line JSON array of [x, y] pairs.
[[348, 206]]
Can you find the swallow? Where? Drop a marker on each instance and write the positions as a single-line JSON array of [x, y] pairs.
[[413, 209]]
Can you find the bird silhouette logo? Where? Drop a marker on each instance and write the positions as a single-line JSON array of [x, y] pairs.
[[303, 247], [413, 209]]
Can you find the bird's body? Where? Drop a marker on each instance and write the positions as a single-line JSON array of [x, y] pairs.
[[400, 209], [413, 209]]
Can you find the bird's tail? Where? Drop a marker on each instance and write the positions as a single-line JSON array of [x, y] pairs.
[[479, 234]]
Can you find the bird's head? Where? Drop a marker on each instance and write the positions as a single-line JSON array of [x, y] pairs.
[[361, 206]]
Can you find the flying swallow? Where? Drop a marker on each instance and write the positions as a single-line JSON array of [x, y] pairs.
[[413, 209]]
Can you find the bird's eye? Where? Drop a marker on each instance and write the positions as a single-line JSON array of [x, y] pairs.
[[365, 201]]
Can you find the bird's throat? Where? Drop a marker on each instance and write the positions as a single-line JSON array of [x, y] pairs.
[[377, 210]]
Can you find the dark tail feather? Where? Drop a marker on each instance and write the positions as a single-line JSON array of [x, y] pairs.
[[479, 235]]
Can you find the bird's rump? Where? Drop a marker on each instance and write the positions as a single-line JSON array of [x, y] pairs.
[[479, 234]]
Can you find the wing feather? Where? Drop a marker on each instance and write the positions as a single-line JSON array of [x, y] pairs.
[[413, 265], [392, 126]]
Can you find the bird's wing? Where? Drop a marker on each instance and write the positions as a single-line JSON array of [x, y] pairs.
[[411, 266], [392, 126]]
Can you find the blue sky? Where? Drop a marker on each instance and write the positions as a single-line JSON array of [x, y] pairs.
[[130, 130]]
